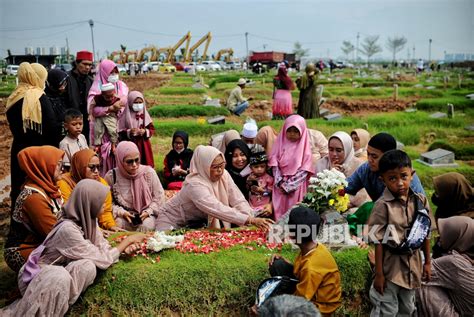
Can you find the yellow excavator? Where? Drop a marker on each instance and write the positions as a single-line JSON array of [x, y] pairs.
[[131, 56], [228, 52], [118, 57], [153, 57], [172, 50], [206, 38]]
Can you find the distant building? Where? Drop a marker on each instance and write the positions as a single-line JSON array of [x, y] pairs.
[[458, 57], [45, 60], [28, 50]]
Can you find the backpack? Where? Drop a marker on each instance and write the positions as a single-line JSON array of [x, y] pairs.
[[419, 230]]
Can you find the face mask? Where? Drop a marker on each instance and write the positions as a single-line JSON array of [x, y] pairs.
[[137, 107], [179, 151], [250, 145], [113, 78]]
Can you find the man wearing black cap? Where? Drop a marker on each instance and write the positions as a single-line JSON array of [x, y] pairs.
[[367, 176], [79, 83]]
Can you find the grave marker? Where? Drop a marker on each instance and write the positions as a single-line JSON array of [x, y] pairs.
[[438, 115], [333, 117], [438, 158]]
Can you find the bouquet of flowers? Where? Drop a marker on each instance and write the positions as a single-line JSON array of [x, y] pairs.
[[326, 191], [160, 241]]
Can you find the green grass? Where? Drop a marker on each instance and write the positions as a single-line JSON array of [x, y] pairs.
[[193, 127], [181, 91], [222, 283], [432, 104], [187, 110]]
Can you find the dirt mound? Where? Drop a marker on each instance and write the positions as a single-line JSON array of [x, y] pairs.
[[367, 105], [259, 110], [145, 82]]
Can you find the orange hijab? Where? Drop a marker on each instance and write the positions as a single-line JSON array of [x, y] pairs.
[[79, 162], [39, 163]]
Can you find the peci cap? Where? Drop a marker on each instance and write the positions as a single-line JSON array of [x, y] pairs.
[[250, 130], [84, 55]]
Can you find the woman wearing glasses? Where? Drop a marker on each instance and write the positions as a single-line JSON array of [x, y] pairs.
[[136, 190], [85, 165], [36, 209], [208, 196]]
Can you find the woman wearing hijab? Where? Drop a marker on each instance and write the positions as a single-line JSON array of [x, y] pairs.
[[221, 140], [31, 118], [69, 257], [292, 165], [136, 125], [308, 106], [360, 139], [282, 101], [36, 209], [237, 157], [453, 195], [341, 155], [177, 161], [85, 164], [136, 190], [107, 73], [208, 195], [266, 137], [55, 88], [451, 288]]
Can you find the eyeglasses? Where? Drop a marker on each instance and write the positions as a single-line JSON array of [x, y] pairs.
[[131, 161], [218, 166], [94, 167]]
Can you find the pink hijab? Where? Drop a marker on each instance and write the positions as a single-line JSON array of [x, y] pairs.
[[131, 119], [289, 156], [105, 69], [141, 191]]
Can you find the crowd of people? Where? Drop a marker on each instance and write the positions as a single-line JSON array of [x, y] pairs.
[[99, 177]]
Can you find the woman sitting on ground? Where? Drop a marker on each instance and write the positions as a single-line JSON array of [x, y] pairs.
[[69, 257], [136, 190], [451, 288], [453, 195], [85, 165], [177, 161], [237, 157], [38, 204], [208, 195]]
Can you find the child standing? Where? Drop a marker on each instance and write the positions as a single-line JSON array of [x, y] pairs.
[[291, 160], [135, 125], [108, 123], [74, 140], [400, 223], [319, 280], [260, 185]]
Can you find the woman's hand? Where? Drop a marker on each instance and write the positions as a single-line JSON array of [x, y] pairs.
[[133, 131], [131, 243], [426, 272], [144, 215], [267, 210], [275, 257], [261, 223], [127, 216], [117, 229]]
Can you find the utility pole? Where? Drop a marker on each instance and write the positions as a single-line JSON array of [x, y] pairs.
[[264, 47], [67, 51], [429, 52], [91, 24], [357, 48], [247, 45], [414, 52]]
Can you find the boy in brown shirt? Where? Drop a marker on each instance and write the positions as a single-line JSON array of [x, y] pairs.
[[398, 264], [318, 276]]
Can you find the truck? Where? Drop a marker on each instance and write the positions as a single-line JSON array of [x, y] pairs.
[[267, 60]]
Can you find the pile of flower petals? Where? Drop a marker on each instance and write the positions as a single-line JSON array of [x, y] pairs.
[[204, 241]]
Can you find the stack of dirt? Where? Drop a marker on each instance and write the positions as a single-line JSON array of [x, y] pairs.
[[5, 146], [259, 110], [367, 105]]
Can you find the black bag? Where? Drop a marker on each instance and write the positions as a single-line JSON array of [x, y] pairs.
[[273, 286], [419, 230]]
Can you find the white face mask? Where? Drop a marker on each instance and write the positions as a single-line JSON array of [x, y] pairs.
[[113, 78], [137, 107], [179, 151], [250, 145]]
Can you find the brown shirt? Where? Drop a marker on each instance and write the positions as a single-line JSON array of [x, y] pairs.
[[392, 218]]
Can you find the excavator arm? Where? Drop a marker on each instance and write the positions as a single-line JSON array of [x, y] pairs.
[[207, 38], [141, 55], [228, 51], [172, 50]]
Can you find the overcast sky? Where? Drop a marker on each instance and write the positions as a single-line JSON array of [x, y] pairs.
[[320, 26]]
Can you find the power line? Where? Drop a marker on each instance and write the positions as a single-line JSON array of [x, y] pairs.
[[21, 29], [43, 36]]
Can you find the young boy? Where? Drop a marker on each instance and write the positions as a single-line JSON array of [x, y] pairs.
[[260, 184], [398, 268], [107, 99], [74, 140], [315, 267], [367, 175]]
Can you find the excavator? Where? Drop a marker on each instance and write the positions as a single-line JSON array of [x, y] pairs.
[[172, 50], [118, 57], [153, 57], [226, 51], [131, 56], [206, 38]]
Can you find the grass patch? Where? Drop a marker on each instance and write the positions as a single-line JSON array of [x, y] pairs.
[[221, 283], [431, 104], [181, 91], [187, 111], [192, 127]]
